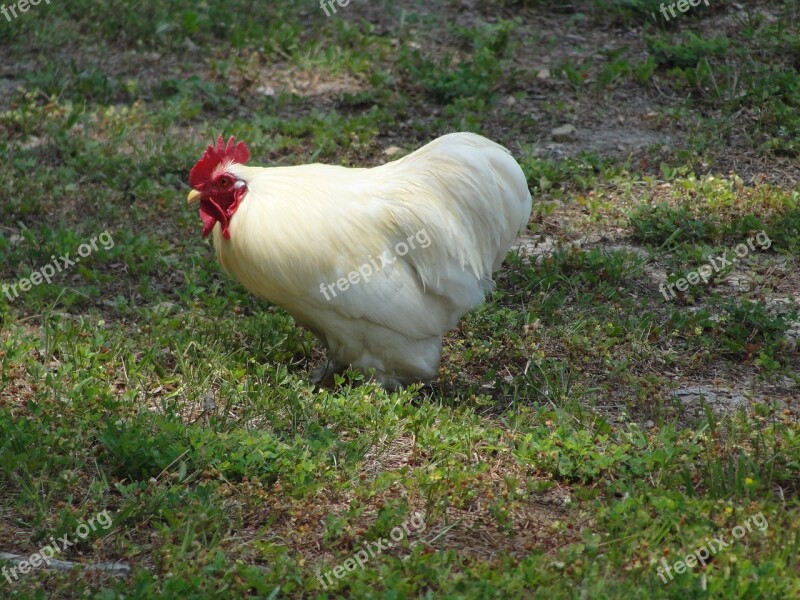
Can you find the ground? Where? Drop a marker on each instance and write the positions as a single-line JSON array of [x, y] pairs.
[[626, 396]]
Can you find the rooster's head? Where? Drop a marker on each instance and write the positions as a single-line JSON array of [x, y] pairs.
[[218, 190]]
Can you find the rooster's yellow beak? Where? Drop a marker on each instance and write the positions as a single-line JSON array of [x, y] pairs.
[[194, 196]]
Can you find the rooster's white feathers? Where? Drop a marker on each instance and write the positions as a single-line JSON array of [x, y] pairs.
[[436, 224]]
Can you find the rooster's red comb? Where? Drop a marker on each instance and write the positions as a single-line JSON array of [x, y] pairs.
[[204, 168]]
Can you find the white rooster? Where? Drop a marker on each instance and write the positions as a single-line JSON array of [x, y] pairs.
[[379, 263]]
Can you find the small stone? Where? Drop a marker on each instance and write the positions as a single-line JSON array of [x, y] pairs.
[[543, 74], [32, 142], [565, 133], [392, 150]]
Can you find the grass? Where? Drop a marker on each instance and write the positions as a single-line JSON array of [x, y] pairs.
[[556, 455]]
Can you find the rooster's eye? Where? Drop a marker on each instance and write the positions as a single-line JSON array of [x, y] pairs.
[[224, 182]]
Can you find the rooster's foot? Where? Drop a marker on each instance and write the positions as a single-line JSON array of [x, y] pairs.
[[325, 376]]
